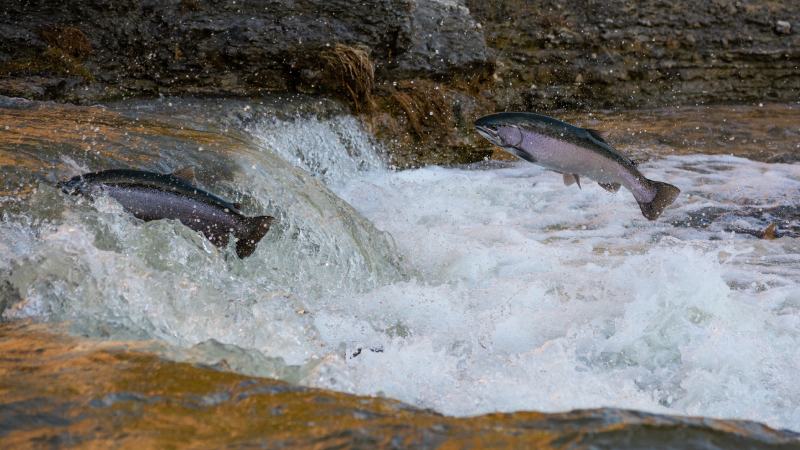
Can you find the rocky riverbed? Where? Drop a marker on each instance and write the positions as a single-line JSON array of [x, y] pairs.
[[358, 303]]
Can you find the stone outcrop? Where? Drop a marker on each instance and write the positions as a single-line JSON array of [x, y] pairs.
[[611, 53], [420, 71], [549, 54], [87, 50]]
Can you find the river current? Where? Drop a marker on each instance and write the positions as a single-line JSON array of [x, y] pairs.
[[490, 287]]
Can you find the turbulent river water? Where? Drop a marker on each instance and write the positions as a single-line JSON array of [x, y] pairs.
[[468, 290]]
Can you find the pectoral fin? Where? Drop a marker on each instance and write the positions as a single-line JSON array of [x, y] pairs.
[[572, 178], [610, 187], [520, 154]]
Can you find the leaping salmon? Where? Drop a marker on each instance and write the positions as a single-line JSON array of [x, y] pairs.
[[574, 152], [153, 196]]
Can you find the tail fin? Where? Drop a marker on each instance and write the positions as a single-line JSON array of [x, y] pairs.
[[665, 195], [255, 229]]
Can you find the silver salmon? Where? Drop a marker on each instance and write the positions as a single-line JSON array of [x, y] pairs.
[[574, 152], [154, 196]]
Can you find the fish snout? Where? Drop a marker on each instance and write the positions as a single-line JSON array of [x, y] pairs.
[[489, 132]]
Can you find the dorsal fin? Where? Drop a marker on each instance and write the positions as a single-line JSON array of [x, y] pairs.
[[185, 173], [770, 232], [599, 135]]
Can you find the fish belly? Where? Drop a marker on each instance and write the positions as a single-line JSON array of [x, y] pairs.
[[151, 204], [565, 157]]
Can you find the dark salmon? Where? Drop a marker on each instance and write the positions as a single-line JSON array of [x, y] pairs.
[[154, 196]]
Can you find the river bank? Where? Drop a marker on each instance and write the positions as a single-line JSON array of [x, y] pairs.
[[418, 72]]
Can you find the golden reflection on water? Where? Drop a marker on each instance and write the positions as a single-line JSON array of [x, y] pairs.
[[63, 391], [36, 139], [57, 390], [70, 391]]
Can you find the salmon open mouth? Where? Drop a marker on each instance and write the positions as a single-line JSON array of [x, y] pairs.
[[488, 134]]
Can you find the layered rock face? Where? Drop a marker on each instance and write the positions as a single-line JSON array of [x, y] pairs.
[[95, 49], [612, 53], [549, 54], [420, 71]]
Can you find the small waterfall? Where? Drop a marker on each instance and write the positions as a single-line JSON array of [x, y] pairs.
[[335, 149], [499, 288], [109, 274]]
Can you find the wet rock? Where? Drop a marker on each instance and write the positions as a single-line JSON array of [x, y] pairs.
[[730, 47], [137, 397], [784, 220], [215, 47], [444, 39], [9, 295]]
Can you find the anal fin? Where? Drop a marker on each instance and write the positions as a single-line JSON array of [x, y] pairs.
[[610, 187], [771, 232], [572, 178]]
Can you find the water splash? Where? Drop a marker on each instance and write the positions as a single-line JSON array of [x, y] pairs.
[[334, 149], [526, 294], [539, 296], [111, 275]]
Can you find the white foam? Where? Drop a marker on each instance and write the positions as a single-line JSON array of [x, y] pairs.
[[534, 295]]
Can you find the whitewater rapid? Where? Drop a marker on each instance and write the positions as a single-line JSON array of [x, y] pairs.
[[517, 292], [533, 295], [541, 296]]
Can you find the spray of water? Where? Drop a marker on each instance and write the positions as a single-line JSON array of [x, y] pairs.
[[516, 291]]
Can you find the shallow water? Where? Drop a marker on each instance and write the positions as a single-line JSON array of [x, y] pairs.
[[499, 289]]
